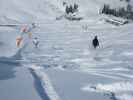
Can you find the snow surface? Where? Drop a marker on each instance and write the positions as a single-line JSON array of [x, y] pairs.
[[65, 66], [63, 53]]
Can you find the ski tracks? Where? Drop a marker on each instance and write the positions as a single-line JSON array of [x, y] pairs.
[[45, 82]]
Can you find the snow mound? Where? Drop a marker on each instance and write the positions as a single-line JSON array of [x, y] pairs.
[[120, 90]]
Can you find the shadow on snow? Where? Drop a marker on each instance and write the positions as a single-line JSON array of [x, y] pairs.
[[7, 65]]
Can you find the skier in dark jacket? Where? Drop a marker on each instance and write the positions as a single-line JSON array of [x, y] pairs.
[[95, 42]]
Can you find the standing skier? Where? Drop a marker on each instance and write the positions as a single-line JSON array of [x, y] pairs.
[[36, 42], [95, 42]]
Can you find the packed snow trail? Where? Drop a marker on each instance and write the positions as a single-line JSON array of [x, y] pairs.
[[72, 51], [45, 82], [18, 58], [16, 82]]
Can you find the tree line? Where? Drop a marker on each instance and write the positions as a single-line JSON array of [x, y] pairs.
[[120, 12]]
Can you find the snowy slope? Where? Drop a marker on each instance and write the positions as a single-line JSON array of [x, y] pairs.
[[65, 66], [76, 70], [28, 11], [8, 41]]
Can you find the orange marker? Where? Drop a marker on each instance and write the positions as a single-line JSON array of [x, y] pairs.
[[18, 41]]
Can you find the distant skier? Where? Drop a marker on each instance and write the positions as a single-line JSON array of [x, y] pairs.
[[95, 42], [36, 42], [33, 25]]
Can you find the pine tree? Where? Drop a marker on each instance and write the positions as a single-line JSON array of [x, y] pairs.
[[129, 8]]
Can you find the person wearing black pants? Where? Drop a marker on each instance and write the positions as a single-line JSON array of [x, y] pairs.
[[95, 42]]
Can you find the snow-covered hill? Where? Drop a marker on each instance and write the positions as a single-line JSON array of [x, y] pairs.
[[27, 11], [64, 66]]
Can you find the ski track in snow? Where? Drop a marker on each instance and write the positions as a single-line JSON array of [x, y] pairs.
[[45, 81], [18, 58]]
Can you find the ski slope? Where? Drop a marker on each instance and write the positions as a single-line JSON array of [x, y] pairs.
[[70, 62], [65, 66], [17, 11]]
